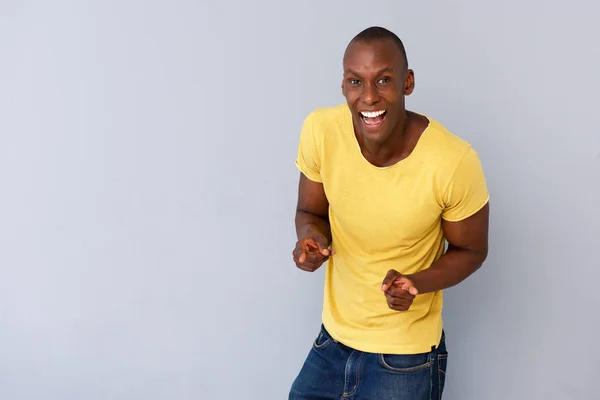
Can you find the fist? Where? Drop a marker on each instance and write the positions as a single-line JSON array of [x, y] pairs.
[[311, 252], [399, 290]]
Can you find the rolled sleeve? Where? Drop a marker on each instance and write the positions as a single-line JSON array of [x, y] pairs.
[[467, 192]]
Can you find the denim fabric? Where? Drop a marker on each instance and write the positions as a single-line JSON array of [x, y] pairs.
[[334, 371]]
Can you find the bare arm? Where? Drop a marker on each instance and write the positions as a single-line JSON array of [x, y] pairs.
[[467, 250], [312, 209], [312, 226]]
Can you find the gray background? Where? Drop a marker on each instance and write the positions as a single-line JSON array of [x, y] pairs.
[[148, 190]]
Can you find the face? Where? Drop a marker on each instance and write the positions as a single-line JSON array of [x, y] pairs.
[[375, 84]]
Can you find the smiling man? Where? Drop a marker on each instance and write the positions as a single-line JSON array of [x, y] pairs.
[[382, 191]]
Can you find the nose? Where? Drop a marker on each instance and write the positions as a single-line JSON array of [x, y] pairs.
[[370, 95]]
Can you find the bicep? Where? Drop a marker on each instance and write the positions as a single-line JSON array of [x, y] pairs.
[[312, 198], [470, 233]]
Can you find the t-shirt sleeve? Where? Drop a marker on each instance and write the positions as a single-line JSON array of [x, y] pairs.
[[308, 160], [467, 192]]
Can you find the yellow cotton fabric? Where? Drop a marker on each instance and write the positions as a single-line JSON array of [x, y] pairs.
[[386, 218]]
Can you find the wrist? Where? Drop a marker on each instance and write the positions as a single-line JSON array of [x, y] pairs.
[[417, 282], [314, 230]]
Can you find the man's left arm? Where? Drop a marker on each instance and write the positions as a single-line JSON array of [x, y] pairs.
[[467, 250], [464, 222]]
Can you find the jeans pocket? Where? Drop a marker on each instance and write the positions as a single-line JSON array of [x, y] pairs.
[[322, 339], [405, 363]]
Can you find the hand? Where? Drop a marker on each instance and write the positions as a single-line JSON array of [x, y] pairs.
[[311, 252], [399, 290]]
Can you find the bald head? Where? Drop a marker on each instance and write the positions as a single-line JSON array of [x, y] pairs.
[[375, 33]]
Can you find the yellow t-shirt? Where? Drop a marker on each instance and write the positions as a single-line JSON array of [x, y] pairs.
[[386, 218]]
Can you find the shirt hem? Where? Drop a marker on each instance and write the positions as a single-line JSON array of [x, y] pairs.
[[384, 349]]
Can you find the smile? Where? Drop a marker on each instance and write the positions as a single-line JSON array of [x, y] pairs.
[[373, 119]]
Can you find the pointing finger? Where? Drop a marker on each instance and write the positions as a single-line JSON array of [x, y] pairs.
[[389, 279]]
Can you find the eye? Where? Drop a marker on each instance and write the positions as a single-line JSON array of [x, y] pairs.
[[354, 81], [383, 80]]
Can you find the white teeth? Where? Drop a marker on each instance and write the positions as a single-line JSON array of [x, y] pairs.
[[372, 114]]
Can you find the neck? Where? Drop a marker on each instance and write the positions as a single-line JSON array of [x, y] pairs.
[[390, 150]]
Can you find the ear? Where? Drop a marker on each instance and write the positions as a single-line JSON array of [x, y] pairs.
[[409, 82]]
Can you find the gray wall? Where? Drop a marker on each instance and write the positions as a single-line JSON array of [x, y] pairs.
[[148, 190]]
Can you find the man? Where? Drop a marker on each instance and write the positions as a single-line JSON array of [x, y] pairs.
[[381, 191]]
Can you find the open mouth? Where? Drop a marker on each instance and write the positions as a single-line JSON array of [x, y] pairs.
[[373, 119]]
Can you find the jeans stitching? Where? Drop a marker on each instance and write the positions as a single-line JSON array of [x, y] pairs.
[[418, 368], [322, 345], [431, 379], [355, 388], [346, 372], [440, 357], [439, 381]]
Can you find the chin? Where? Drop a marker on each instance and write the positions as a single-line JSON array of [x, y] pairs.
[[373, 132], [374, 136]]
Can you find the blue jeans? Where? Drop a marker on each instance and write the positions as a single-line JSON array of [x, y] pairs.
[[334, 371]]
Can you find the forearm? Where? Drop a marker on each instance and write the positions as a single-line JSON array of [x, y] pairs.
[[451, 269], [307, 223]]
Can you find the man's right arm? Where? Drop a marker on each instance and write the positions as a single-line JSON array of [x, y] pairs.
[[312, 225], [312, 210]]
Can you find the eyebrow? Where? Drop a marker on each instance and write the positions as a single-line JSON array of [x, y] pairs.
[[381, 71]]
